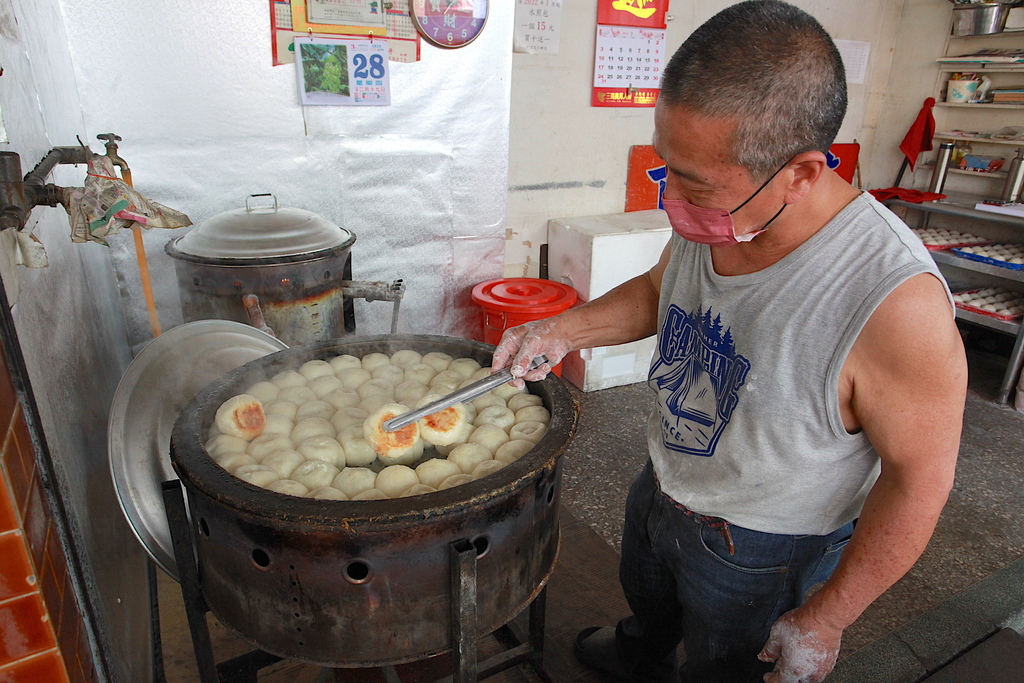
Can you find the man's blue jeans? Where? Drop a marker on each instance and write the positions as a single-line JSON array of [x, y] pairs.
[[683, 584]]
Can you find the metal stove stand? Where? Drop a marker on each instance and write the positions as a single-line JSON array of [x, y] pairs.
[[464, 652]]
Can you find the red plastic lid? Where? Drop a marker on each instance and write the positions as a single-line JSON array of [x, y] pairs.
[[525, 294]]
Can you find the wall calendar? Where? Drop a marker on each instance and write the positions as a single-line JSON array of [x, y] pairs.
[[627, 66]]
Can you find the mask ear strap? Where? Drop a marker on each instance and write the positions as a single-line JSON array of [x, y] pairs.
[[765, 226], [763, 185]]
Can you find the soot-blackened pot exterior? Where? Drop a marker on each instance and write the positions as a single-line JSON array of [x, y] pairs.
[[302, 299], [367, 583]]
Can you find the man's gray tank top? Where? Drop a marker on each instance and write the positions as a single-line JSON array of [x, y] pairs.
[[747, 425]]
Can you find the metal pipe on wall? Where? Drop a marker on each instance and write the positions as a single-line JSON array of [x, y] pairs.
[[21, 195]]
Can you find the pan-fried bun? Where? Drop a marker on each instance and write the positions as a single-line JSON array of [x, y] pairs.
[[417, 490], [288, 487], [400, 447], [224, 443], [394, 479], [513, 450], [437, 360], [314, 474], [533, 414], [344, 362], [354, 480], [529, 430], [241, 416], [264, 391], [284, 462], [370, 494], [405, 358], [487, 467], [372, 361], [257, 475], [432, 472], [489, 436], [468, 455], [326, 493], [315, 368], [523, 400], [455, 480], [447, 426]]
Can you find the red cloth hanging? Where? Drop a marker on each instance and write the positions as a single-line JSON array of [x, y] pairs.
[[919, 137], [906, 195]]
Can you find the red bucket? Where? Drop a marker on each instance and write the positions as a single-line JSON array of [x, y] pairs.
[[513, 301]]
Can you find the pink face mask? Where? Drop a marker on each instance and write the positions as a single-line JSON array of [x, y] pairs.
[[713, 227]]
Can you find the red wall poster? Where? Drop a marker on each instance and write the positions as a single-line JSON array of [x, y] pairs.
[[641, 13]]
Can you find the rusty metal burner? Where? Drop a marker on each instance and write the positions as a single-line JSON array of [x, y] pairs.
[[359, 584]]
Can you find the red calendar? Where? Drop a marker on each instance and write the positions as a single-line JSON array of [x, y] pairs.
[[627, 66]]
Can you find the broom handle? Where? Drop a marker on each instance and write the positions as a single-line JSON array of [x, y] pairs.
[[140, 256]]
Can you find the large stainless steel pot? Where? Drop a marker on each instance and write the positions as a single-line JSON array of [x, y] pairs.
[[981, 18], [354, 584], [288, 266]]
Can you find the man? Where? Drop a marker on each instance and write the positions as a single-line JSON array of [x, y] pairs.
[[809, 373]]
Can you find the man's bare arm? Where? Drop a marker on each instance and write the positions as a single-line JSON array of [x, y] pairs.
[[627, 313], [909, 379]]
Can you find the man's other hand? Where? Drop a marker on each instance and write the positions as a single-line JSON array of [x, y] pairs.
[[803, 649]]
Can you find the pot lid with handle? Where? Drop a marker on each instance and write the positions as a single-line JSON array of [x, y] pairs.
[[262, 232]]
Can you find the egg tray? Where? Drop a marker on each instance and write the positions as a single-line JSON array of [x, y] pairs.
[[981, 311], [986, 259], [967, 241]]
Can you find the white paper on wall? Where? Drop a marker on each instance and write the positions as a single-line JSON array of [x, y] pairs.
[[855, 58], [538, 26]]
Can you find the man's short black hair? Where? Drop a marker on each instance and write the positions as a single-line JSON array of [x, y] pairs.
[[772, 68]]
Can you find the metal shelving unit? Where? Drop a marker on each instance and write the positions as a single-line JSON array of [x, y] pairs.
[[985, 174], [1012, 329], [987, 141], [989, 105], [962, 207], [951, 259], [989, 118]]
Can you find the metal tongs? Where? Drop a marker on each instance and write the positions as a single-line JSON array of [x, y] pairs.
[[463, 395]]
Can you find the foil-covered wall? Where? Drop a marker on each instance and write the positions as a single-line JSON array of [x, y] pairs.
[[72, 336], [206, 120]]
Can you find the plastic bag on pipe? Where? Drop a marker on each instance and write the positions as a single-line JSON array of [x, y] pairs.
[[107, 204], [23, 249]]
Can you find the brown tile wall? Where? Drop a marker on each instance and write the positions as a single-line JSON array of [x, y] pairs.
[[41, 632]]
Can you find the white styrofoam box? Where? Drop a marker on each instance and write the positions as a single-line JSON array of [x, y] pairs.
[[1015, 19], [595, 254], [609, 366]]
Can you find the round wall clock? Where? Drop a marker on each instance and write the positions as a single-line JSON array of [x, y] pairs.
[[449, 23]]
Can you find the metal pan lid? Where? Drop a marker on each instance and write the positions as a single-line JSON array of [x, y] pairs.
[[162, 379], [262, 230]]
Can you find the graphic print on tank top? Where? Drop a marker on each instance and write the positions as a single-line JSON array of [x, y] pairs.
[[697, 376]]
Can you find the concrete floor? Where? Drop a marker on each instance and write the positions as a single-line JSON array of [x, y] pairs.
[[981, 530]]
